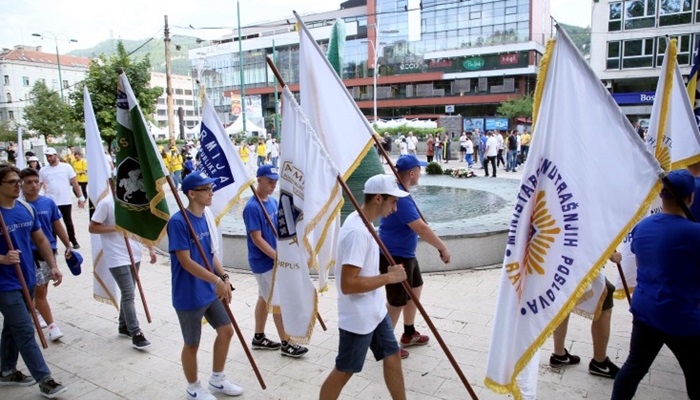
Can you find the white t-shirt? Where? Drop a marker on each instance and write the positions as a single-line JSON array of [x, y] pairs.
[[113, 245], [469, 146], [358, 313], [58, 186], [412, 141], [274, 150], [499, 137], [491, 147], [403, 150], [463, 140]]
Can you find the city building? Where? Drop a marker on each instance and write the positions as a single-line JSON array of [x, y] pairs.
[[628, 42], [185, 103], [23, 66], [432, 58]]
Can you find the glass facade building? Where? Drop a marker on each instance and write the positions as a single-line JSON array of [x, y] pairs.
[[468, 54]]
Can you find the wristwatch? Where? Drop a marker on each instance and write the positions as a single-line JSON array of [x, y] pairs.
[[224, 277]]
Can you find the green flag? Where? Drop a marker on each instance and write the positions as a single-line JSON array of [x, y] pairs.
[[140, 206]]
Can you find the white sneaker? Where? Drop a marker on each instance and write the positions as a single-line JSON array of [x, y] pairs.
[[55, 333], [42, 323], [222, 385], [195, 391]]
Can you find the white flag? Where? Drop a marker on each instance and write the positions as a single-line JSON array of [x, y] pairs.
[[20, 161], [575, 203], [103, 286], [220, 160], [310, 199], [673, 138], [338, 122]]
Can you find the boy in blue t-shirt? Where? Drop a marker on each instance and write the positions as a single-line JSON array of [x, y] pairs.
[[199, 292], [18, 330], [48, 214], [262, 245]]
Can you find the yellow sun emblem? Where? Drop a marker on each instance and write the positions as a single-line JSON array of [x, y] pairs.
[[543, 229], [663, 155]]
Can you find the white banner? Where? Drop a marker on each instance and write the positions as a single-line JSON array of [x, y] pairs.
[[104, 287], [575, 203], [310, 200]]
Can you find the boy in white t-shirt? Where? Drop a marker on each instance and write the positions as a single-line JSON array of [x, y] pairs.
[[363, 320]]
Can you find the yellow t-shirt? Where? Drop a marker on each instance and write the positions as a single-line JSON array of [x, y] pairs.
[[175, 161], [525, 139], [243, 152], [262, 150], [80, 168]]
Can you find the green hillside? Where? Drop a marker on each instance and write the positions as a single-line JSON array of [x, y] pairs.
[[154, 48], [580, 36]]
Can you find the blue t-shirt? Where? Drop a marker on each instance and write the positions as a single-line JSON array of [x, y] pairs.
[[20, 224], [255, 220], [394, 231], [47, 212], [189, 292], [667, 296], [695, 207]]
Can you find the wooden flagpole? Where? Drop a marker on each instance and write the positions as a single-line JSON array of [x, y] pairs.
[[272, 225], [624, 283], [391, 261], [23, 283], [241, 338]]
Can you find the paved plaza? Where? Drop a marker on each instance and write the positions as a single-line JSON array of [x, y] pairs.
[[95, 363]]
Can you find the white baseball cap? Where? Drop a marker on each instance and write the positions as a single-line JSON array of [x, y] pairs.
[[383, 184], [50, 151]]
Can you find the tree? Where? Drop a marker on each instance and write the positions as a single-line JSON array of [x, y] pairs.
[[8, 131], [101, 82], [516, 107], [46, 114]]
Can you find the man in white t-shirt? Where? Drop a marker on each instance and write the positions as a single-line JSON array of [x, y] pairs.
[[412, 143], [57, 178], [363, 320], [490, 153], [119, 263]]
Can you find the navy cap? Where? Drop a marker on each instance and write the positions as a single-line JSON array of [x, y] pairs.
[[408, 162], [74, 262], [683, 183], [268, 171], [195, 179]]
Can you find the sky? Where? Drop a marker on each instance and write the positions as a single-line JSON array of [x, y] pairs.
[[90, 22]]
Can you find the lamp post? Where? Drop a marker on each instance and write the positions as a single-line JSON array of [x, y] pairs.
[[58, 59], [240, 60]]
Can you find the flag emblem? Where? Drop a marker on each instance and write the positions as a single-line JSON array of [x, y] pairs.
[[131, 191]]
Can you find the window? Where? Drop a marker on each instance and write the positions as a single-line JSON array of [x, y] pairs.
[[638, 53], [615, 17], [25, 80], [675, 12], [9, 97], [7, 79], [475, 15], [11, 115], [65, 84], [613, 55], [640, 14], [682, 44]]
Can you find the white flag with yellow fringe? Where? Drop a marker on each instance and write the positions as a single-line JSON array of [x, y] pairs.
[[575, 202], [310, 199], [674, 140], [104, 286]]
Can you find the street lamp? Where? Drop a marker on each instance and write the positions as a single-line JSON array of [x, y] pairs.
[[58, 59], [374, 74]]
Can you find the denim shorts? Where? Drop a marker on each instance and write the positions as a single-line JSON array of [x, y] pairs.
[[43, 270], [352, 347], [191, 320]]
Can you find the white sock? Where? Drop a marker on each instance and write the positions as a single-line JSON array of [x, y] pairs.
[[51, 325], [217, 376], [193, 385]]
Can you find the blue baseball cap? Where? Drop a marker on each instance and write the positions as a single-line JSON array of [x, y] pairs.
[[74, 261], [683, 183], [408, 162], [268, 171], [195, 179]]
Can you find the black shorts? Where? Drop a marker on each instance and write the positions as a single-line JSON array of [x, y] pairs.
[[395, 293], [462, 149], [608, 301]]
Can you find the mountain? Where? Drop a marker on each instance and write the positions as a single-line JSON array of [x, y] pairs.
[[153, 47], [580, 36]]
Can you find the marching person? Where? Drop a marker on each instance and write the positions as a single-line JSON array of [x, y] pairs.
[[18, 328], [50, 217], [262, 245], [79, 165], [399, 232], [118, 261], [665, 303], [198, 292], [363, 320]]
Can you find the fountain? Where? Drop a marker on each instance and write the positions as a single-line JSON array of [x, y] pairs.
[[470, 215]]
